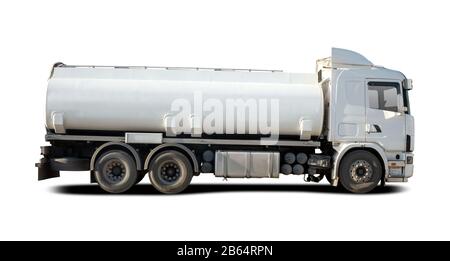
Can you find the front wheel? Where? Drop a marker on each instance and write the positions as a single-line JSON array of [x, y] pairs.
[[360, 171], [170, 172]]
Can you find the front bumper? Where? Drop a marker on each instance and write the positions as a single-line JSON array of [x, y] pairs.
[[400, 171]]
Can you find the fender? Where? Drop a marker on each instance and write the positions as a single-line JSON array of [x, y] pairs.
[[343, 148], [172, 145], [121, 144]]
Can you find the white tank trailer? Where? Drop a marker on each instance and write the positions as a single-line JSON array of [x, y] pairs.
[[349, 121], [139, 99]]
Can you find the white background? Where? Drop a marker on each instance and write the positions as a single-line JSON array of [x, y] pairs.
[[410, 36]]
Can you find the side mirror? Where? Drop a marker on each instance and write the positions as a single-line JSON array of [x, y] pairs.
[[403, 109], [408, 84]]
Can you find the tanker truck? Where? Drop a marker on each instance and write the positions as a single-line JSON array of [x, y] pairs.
[[350, 121]]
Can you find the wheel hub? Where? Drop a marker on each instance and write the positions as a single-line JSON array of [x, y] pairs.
[[361, 171], [170, 172], [115, 171]]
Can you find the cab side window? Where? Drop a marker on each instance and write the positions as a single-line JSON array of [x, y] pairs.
[[384, 96]]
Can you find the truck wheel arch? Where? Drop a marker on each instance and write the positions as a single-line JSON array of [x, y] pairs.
[[344, 149], [178, 147], [118, 145]]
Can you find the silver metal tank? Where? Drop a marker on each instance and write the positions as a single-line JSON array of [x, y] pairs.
[[139, 99]]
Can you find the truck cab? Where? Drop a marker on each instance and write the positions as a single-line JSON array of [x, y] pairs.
[[368, 108]]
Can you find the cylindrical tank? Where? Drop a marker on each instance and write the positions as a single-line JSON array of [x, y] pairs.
[[141, 99]]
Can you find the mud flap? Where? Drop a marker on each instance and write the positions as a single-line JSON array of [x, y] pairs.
[[45, 171], [93, 179]]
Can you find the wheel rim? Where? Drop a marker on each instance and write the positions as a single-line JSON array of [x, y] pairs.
[[169, 172], [361, 171], [115, 171]]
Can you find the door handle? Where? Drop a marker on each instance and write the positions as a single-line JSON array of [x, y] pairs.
[[373, 128]]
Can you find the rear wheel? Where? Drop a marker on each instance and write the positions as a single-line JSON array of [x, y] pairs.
[[115, 171], [170, 172], [360, 171]]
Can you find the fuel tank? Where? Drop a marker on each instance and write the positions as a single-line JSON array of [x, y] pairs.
[[149, 99]]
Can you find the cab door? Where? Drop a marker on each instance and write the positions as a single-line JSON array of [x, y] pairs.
[[385, 117]]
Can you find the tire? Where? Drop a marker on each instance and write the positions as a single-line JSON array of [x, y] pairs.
[[360, 171], [140, 176], [115, 171], [170, 172]]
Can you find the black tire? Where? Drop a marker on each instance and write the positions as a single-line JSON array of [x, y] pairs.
[[170, 172], [360, 171], [115, 171], [140, 176]]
